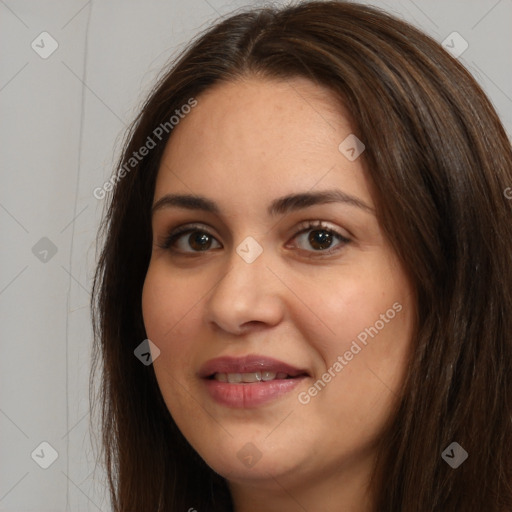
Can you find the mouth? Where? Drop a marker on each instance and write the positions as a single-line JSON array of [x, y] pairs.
[[249, 369], [249, 381], [249, 378]]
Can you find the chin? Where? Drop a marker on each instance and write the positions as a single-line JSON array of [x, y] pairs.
[[251, 461]]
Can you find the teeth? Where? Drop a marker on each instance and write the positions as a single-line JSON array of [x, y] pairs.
[[235, 378], [251, 377]]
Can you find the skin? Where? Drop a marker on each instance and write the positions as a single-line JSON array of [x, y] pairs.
[[246, 143]]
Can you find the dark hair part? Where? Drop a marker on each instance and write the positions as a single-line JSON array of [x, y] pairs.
[[439, 161]]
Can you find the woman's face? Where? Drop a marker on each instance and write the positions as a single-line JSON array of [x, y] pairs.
[[282, 280]]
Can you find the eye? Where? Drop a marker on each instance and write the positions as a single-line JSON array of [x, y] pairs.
[[198, 239], [320, 238]]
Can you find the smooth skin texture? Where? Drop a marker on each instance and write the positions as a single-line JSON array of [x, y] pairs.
[[244, 145]]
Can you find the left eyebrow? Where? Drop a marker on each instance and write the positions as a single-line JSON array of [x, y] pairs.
[[294, 202], [280, 206]]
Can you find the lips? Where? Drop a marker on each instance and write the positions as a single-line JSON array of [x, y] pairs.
[[251, 364], [249, 381], [236, 378]]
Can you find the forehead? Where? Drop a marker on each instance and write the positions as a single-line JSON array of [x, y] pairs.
[[261, 137]]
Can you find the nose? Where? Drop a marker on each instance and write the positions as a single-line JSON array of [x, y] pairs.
[[249, 295]]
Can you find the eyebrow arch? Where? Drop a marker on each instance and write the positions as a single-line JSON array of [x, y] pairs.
[[279, 206]]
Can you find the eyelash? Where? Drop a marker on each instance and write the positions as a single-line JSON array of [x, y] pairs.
[[172, 237]]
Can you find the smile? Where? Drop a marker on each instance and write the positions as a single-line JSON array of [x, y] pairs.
[[235, 378], [249, 381]]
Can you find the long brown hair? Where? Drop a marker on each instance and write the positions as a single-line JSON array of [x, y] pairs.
[[439, 161]]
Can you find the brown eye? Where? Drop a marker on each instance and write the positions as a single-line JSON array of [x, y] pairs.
[[198, 240], [320, 239], [316, 237]]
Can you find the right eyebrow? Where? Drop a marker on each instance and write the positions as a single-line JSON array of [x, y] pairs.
[[186, 201]]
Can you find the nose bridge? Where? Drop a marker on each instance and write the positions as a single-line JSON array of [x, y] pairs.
[[246, 263], [247, 274], [247, 292]]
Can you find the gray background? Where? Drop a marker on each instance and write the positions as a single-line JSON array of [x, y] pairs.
[[62, 121]]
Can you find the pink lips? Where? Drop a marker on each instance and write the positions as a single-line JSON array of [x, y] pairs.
[[253, 394]]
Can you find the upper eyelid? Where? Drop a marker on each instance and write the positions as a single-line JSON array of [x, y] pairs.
[[307, 224], [187, 228], [321, 225], [304, 226]]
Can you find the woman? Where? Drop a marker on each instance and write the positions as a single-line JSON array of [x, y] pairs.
[[310, 241]]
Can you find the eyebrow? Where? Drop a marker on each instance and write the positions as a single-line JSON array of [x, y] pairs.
[[279, 206]]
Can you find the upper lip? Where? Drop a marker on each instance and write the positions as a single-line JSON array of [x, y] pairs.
[[248, 364]]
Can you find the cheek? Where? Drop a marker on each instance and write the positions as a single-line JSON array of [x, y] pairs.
[[343, 306], [366, 315], [164, 310], [171, 309], [155, 299], [164, 305]]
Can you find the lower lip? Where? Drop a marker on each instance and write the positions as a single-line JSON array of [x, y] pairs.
[[248, 395]]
